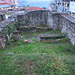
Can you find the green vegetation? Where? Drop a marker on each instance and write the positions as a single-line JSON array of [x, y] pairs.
[[37, 58], [9, 14], [16, 25], [26, 21], [9, 30], [42, 26]]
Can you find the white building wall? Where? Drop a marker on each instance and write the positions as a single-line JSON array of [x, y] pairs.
[[72, 6]]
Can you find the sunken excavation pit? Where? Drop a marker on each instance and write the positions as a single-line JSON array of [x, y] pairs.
[[38, 21]]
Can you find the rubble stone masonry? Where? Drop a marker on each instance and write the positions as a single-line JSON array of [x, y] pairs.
[[54, 20]]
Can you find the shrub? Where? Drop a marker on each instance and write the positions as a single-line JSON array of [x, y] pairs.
[[10, 29], [7, 32]]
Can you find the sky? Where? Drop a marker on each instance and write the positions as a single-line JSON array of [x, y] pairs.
[[32, 3], [35, 3], [34, 0]]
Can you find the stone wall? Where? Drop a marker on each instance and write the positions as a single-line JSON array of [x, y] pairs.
[[53, 19], [65, 23], [5, 22], [34, 18], [2, 17]]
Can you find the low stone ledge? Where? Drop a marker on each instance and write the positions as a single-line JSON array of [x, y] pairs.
[[40, 36]]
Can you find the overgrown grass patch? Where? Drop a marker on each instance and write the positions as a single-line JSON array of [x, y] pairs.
[[37, 58]]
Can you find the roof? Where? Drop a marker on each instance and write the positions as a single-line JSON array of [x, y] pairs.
[[34, 8], [6, 4]]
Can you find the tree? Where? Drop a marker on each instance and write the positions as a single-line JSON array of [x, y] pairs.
[[44, 7], [28, 6]]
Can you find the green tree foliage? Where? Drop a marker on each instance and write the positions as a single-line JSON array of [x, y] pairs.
[[28, 6]]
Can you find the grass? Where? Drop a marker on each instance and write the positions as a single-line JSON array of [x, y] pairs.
[[37, 58], [9, 14]]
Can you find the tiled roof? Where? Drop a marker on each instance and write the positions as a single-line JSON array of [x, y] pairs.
[[33, 8]]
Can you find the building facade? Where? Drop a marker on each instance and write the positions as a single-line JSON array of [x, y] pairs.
[[63, 5], [72, 6], [8, 2]]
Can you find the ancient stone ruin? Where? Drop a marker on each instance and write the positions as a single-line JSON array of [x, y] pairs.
[[52, 20]]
